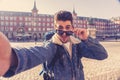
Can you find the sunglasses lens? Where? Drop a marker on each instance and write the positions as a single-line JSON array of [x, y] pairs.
[[61, 32], [68, 33]]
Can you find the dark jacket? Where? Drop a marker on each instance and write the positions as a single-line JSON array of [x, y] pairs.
[[65, 68]]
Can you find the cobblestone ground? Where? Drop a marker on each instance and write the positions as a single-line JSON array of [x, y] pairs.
[[108, 69]]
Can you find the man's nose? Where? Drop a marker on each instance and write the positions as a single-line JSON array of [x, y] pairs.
[[64, 29], [64, 33]]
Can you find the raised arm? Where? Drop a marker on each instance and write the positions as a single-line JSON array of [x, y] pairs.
[[24, 58], [5, 54], [91, 48]]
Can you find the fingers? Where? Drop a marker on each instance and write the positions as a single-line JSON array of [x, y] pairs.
[[81, 33]]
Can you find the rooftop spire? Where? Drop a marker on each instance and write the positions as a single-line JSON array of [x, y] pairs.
[[74, 10], [34, 8]]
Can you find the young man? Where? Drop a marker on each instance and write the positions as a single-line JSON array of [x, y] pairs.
[[68, 66]]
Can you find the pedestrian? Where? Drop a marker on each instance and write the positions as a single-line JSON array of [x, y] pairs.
[[35, 39], [68, 49]]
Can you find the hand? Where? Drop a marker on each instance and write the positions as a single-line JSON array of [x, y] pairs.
[[81, 33], [5, 54]]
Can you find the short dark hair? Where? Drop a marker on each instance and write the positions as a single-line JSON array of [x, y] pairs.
[[64, 16]]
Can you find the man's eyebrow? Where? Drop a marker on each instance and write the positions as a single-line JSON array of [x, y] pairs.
[[68, 25], [60, 26]]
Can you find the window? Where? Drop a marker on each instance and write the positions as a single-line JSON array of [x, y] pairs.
[[29, 23], [11, 18], [43, 19], [39, 29], [20, 18], [48, 24], [39, 19], [6, 28], [2, 23], [2, 17], [11, 29], [34, 29], [52, 24], [43, 29], [15, 23], [11, 23], [6, 17], [6, 23], [29, 29], [21, 24], [39, 24], [52, 19], [15, 18], [48, 29], [2, 28], [48, 19], [26, 23], [34, 23], [43, 24], [34, 14], [29, 19], [26, 19]]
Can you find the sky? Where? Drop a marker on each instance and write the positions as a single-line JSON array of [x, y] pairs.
[[88, 8]]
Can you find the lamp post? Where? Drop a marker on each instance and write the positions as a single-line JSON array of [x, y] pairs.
[[91, 28], [89, 22], [113, 28]]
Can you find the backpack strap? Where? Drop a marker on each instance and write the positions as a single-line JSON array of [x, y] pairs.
[[57, 56]]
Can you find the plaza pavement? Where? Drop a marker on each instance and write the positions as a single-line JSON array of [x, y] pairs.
[[108, 69]]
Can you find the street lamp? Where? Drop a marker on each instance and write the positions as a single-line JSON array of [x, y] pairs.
[[91, 28]]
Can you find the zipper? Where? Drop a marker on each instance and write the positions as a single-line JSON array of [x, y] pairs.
[[71, 61]]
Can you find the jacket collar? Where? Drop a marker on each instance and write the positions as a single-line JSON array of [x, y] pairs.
[[72, 39]]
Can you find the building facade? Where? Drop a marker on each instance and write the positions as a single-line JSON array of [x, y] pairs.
[[21, 25], [25, 26]]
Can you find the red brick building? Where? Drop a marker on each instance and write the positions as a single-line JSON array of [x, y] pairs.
[[31, 25], [25, 24]]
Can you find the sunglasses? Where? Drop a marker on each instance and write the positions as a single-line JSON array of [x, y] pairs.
[[61, 32]]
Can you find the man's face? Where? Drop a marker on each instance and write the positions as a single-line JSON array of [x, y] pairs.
[[64, 30]]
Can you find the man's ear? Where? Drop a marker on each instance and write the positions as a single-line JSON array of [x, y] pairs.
[[72, 27], [55, 27]]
